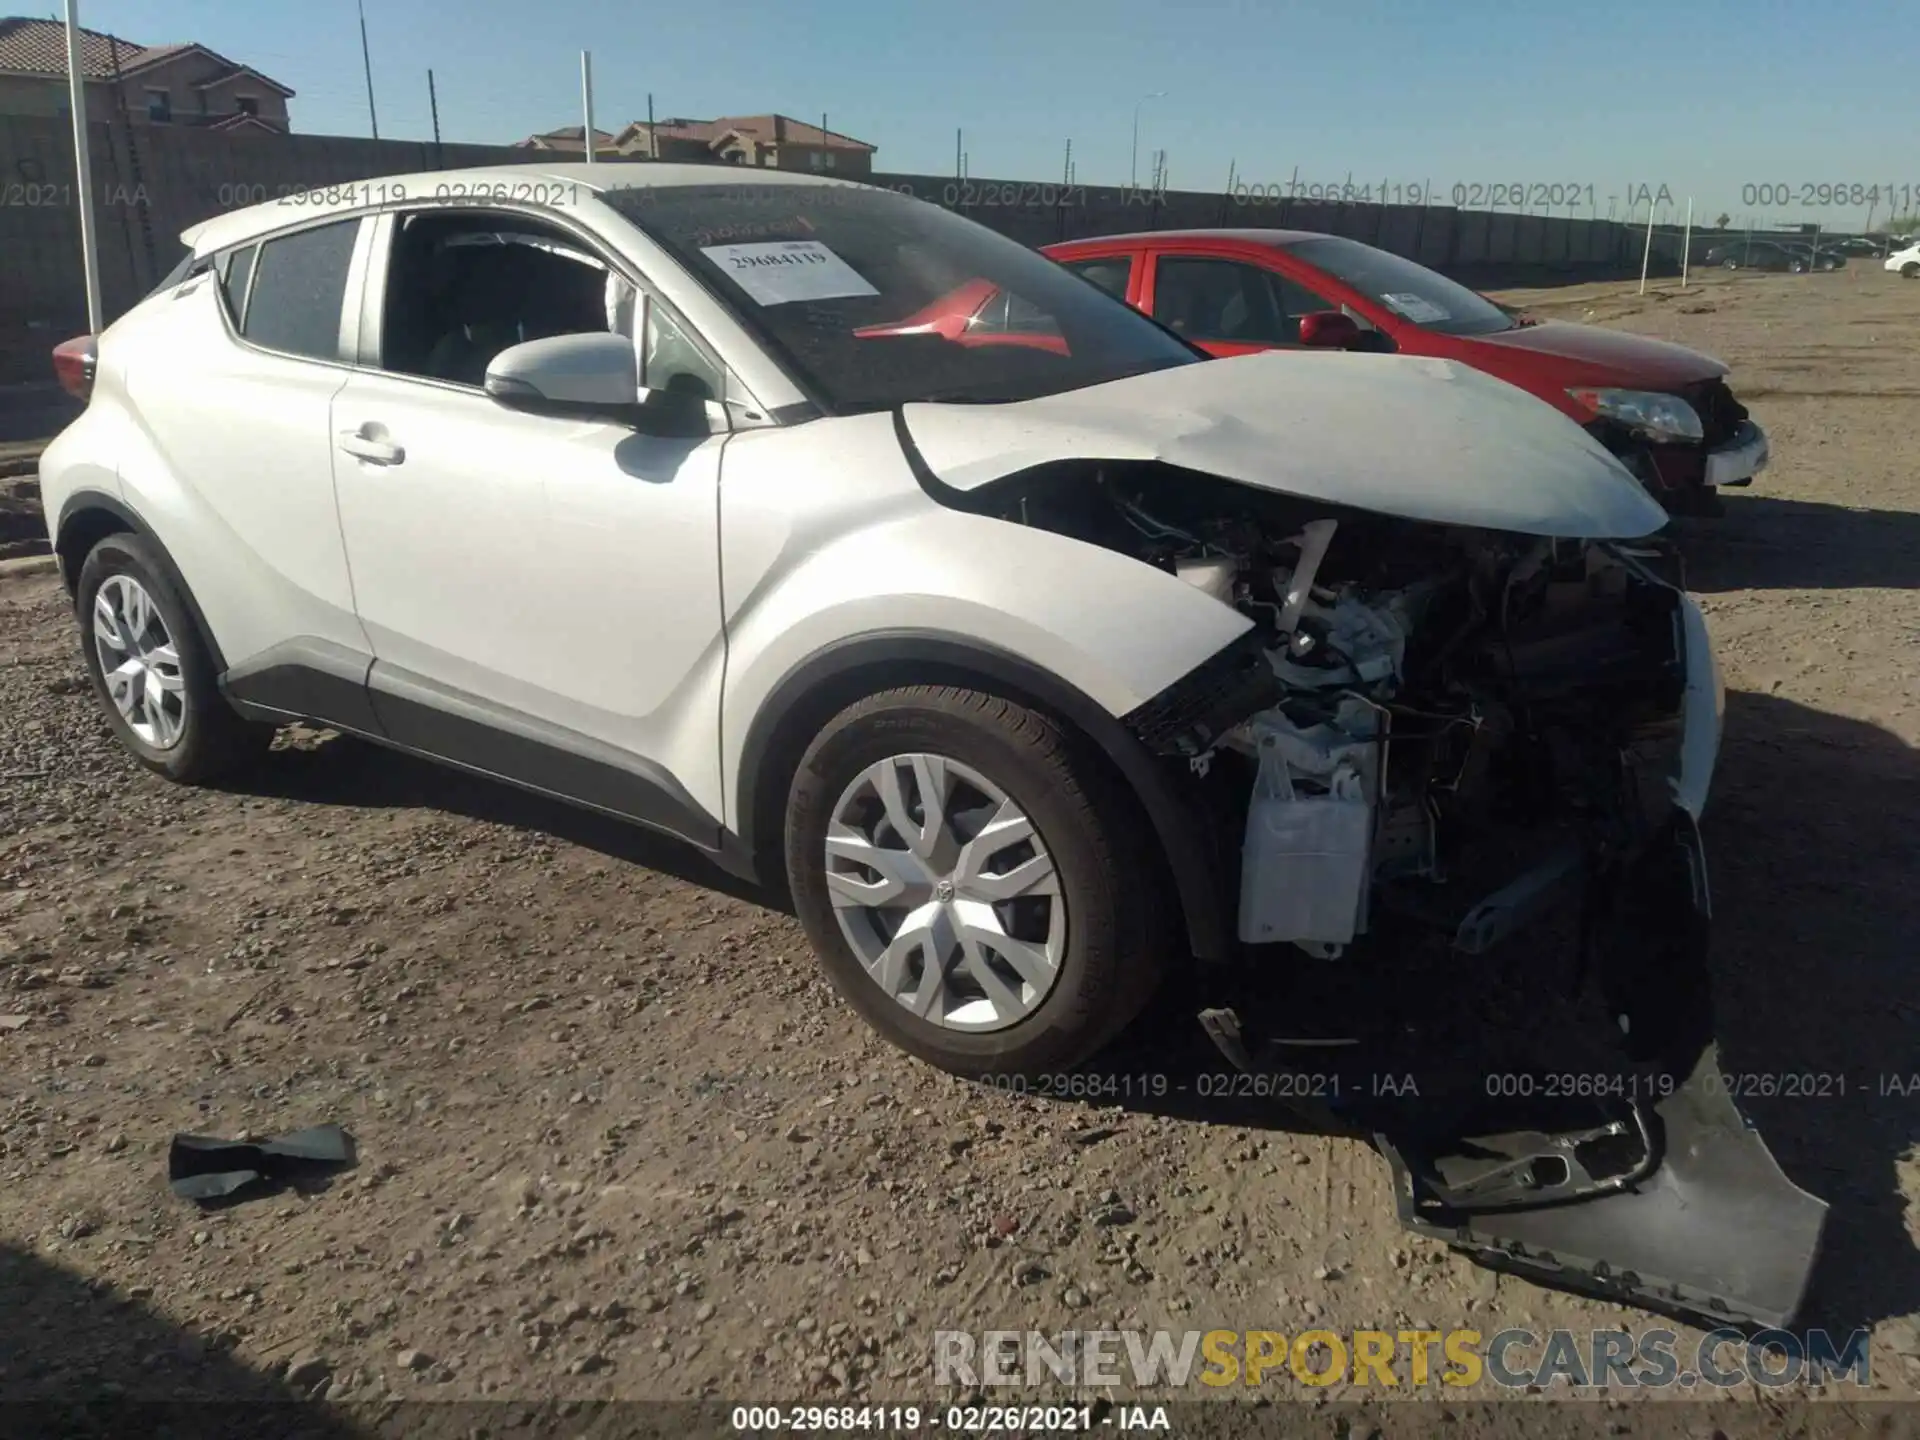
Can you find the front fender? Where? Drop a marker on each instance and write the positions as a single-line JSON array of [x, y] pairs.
[[1099, 623]]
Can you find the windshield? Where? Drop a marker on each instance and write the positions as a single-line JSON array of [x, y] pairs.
[[870, 297], [1413, 292]]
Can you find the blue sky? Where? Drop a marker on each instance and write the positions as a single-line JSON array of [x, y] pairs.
[[1705, 97]]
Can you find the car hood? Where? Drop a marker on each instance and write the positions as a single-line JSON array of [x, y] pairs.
[[1408, 436], [1618, 358]]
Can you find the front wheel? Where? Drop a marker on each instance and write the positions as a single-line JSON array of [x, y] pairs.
[[1729, 264], [1910, 270], [976, 883]]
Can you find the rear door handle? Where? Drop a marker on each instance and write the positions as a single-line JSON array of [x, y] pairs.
[[375, 452]]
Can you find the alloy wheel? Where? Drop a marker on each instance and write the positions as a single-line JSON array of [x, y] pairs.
[[139, 662], [946, 892]]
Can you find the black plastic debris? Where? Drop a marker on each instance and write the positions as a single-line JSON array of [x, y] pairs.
[[202, 1168]]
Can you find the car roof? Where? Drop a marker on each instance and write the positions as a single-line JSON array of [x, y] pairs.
[[341, 197], [1245, 235]]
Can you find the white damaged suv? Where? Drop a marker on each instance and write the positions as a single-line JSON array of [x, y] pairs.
[[1037, 653]]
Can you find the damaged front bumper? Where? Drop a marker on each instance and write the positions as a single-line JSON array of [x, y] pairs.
[[1675, 1204], [1648, 1184], [1639, 1179]]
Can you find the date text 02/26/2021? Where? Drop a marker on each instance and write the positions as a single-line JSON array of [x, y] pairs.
[[1544, 195], [954, 1419]]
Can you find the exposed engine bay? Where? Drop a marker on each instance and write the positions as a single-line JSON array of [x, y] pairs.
[[1452, 725], [1472, 742]]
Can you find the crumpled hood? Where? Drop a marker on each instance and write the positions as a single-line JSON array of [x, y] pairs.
[[1408, 436]]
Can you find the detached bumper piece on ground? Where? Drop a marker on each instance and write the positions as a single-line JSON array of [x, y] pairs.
[[1677, 1205], [211, 1171], [1624, 1170]]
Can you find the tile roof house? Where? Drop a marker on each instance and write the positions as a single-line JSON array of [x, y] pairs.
[[568, 141], [186, 84], [770, 141]]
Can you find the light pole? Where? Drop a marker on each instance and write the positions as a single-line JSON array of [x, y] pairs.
[[1133, 165], [83, 169]]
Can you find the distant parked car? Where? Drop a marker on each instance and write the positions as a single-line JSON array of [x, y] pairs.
[[1755, 255], [1666, 411], [1818, 257], [1905, 263], [1862, 245]]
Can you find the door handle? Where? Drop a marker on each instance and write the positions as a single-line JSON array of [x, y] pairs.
[[375, 452]]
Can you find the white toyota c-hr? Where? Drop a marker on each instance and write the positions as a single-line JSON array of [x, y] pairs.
[[1031, 652]]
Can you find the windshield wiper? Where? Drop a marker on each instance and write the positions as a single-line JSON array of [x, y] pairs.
[[962, 397]]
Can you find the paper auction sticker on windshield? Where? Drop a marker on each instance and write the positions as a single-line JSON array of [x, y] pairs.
[[1417, 308], [781, 271]]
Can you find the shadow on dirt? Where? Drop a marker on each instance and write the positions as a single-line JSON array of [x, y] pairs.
[[360, 775], [1815, 851], [79, 1361], [1764, 542]]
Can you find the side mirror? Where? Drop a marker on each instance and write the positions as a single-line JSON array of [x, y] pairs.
[[596, 375], [1328, 330], [581, 374]]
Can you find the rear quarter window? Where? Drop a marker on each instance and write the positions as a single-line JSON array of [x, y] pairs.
[[235, 268]]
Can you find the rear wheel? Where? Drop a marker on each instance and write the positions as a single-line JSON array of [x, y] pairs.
[[152, 670], [975, 882]]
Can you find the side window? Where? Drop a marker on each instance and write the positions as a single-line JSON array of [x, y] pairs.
[[462, 287], [1026, 318], [299, 284], [1004, 313], [991, 317], [670, 360], [1221, 300], [236, 268], [1110, 275], [1296, 300]]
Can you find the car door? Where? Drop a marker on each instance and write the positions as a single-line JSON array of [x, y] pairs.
[[233, 378], [1112, 273], [1228, 306], [542, 594]]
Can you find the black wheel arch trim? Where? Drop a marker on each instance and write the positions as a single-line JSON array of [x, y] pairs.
[[82, 500], [1177, 824]]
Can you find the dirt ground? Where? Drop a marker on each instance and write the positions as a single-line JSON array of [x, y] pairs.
[[618, 1138]]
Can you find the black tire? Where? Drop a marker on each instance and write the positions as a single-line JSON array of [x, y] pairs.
[[1797, 267], [1111, 873], [1910, 270], [214, 739], [1729, 264]]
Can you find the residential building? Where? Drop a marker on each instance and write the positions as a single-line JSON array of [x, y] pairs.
[[186, 84], [568, 141], [774, 142]]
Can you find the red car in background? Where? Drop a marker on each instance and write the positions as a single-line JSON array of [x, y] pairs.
[[1666, 411]]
